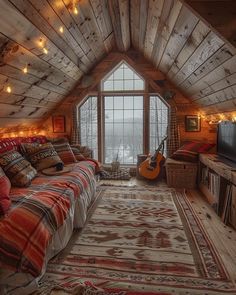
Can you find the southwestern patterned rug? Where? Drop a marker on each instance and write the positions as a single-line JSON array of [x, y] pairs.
[[139, 240]]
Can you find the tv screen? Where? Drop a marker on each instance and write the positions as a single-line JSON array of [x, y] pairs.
[[226, 140]]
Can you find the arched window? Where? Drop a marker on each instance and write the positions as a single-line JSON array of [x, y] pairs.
[[128, 119], [123, 78]]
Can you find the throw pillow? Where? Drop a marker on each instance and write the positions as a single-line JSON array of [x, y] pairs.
[[17, 169], [189, 151], [42, 156], [64, 152], [5, 186], [78, 156]]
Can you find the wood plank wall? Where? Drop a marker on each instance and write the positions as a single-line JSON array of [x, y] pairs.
[[175, 39]]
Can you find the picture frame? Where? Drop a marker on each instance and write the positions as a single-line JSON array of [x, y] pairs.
[[58, 124], [192, 123]]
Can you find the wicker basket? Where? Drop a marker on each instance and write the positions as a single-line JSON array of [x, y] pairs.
[[181, 174]]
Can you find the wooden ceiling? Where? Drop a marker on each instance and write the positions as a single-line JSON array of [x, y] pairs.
[[168, 33]]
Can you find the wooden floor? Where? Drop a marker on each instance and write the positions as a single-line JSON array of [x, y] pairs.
[[224, 237]]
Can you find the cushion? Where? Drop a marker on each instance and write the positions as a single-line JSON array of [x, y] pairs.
[[41, 156], [5, 186], [84, 150], [17, 169], [12, 143], [77, 154], [65, 152], [189, 151]]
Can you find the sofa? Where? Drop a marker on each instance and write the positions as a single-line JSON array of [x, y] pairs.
[[43, 211]]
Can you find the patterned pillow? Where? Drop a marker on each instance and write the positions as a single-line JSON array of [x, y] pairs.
[[41, 156], [5, 186], [64, 152], [189, 151], [18, 169], [84, 150], [77, 154]]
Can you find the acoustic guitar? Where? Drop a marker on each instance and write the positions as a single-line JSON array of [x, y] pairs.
[[152, 166]]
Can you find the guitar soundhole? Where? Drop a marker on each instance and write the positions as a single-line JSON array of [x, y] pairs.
[[153, 164]]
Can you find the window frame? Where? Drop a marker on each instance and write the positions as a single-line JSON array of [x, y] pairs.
[[100, 111]]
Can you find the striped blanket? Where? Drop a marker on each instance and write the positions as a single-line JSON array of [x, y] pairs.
[[37, 213]]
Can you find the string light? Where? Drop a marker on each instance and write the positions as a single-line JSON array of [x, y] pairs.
[[25, 70], [45, 50], [41, 42], [61, 29], [75, 10], [9, 89]]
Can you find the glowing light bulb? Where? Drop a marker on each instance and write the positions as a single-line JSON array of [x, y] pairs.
[[25, 70], [45, 50], [75, 10], [9, 89], [61, 29], [41, 42]]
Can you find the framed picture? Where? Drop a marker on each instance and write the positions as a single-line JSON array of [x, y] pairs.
[[58, 124], [192, 123]]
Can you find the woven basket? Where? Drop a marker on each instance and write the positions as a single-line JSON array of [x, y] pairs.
[[181, 174]]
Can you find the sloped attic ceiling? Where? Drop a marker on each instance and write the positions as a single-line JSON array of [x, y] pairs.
[[57, 46]]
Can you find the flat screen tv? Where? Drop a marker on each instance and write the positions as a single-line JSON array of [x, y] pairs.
[[226, 140]]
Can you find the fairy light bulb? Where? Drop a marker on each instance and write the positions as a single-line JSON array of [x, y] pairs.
[[75, 10], [61, 29], [45, 50], [25, 70], [41, 42], [8, 89]]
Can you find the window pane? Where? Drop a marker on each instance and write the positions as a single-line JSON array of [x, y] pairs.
[[118, 85], [128, 115], [109, 129], [109, 116], [129, 102], [118, 130], [108, 85], [88, 124], [138, 115], [138, 102], [158, 122], [128, 131], [138, 85], [118, 102], [128, 74], [109, 102], [123, 78], [118, 74], [118, 116], [129, 85]]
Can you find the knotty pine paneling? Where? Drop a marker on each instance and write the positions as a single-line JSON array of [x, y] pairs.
[[187, 52]]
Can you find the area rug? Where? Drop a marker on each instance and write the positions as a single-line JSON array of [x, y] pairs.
[[139, 241]]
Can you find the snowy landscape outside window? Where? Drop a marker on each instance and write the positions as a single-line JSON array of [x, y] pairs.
[[123, 128], [158, 122], [89, 125]]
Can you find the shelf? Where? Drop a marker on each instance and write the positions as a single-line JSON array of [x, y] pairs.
[[217, 182], [221, 168]]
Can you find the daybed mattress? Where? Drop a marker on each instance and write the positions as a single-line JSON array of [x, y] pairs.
[[40, 223]]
